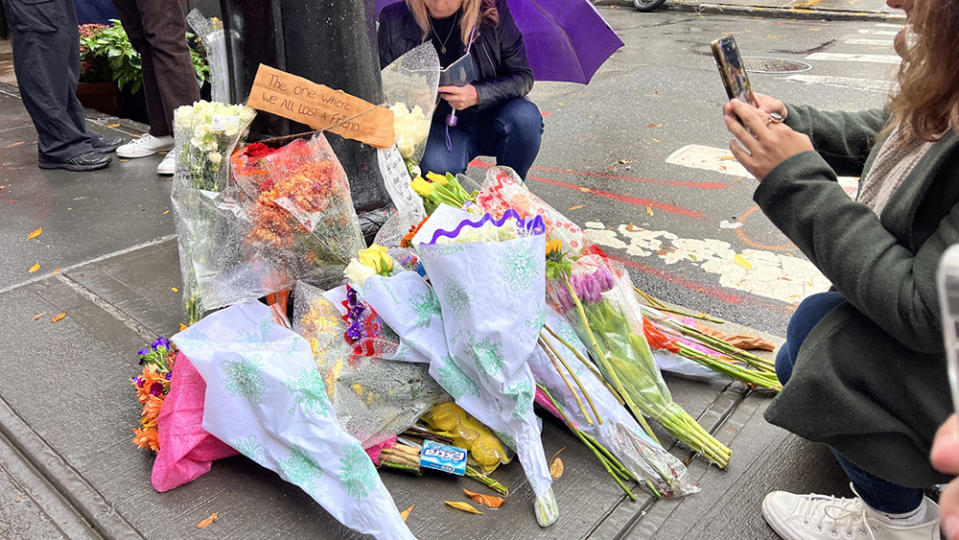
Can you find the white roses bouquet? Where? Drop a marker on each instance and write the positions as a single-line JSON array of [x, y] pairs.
[[205, 135]]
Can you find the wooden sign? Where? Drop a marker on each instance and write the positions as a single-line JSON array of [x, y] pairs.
[[321, 107]]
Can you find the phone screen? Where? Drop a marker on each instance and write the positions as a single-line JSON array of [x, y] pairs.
[[732, 71]]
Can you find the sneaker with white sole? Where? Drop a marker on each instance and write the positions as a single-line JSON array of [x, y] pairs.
[[146, 145], [820, 517], [167, 166]]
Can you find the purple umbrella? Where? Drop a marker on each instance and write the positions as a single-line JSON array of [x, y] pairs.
[[566, 40]]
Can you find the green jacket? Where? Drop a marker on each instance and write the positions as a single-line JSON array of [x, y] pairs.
[[870, 379]]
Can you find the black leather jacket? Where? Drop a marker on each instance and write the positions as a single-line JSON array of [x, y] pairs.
[[498, 52]]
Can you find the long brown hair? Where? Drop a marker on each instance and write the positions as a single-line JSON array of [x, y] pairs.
[[927, 102], [474, 12]]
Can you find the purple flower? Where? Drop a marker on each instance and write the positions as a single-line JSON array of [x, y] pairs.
[[156, 389], [168, 375], [350, 295], [160, 342], [137, 381], [354, 332], [605, 279], [565, 300], [143, 352], [593, 292], [356, 313], [578, 286]]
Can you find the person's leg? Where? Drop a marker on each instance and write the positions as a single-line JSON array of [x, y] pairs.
[[879, 494], [810, 311], [895, 510], [169, 69], [439, 158], [129, 15], [516, 134], [44, 37]]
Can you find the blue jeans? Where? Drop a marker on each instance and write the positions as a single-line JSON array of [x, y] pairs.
[[512, 132], [876, 492]]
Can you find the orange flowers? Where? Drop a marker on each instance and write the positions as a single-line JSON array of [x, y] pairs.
[[288, 208], [152, 386], [408, 239]]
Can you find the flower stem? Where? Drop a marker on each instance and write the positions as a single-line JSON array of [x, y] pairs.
[[586, 363], [602, 358], [575, 379], [486, 481], [579, 402], [591, 444], [663, 307]]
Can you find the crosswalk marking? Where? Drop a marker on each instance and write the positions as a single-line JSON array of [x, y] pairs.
[[708, 158], [888, 25], [872, 85], [721, 160], [877, 42], [878, 32], [845, 57]]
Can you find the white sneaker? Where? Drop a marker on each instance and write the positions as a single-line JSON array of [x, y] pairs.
[[146, 145], [815, 517], [167, 166]]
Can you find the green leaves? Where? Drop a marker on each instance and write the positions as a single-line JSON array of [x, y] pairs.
[[123, 61]]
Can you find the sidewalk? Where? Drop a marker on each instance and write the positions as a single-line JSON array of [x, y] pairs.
[[108, 260], [836, 10]]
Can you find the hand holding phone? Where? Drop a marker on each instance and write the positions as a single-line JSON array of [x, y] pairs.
[[732, 71]]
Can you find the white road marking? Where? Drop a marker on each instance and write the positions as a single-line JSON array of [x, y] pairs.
[[871, 42], [708, 158], [721, 160], [879, 32], [871, 85], [769, 274], [859, 58], [888, 25]]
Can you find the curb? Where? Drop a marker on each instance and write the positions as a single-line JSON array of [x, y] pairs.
[[772, 12]]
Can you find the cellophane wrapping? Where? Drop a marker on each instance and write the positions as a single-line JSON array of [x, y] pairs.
[[374, 397]]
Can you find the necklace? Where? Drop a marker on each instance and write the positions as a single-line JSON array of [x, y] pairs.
[[448, 36]]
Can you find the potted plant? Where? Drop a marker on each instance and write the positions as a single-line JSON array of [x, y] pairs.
[[96, 88], [109, 49]]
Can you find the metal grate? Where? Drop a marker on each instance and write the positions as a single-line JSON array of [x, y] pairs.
[[774, 65]]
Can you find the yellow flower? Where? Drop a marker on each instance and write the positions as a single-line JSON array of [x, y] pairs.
[[553, 245], [377, 258], [436, 178], [422, 187]]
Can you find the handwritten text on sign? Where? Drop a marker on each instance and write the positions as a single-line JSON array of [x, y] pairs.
[[321, 107]]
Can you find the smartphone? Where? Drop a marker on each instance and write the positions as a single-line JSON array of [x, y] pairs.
[[731, 70], [947, 281]]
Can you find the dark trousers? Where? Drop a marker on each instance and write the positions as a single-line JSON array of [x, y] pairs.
[[876, 492], [157, 30], [46, 59], [512, 132]]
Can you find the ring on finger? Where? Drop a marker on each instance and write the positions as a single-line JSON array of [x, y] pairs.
[[774, 118]]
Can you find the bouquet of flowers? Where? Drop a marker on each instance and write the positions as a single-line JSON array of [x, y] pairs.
[[374, 397], [205, 135], [266, 399], [490, 285], [595, 297], [303, 219], [409, 86], [604, 426], [437, 189], [152, 385]]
